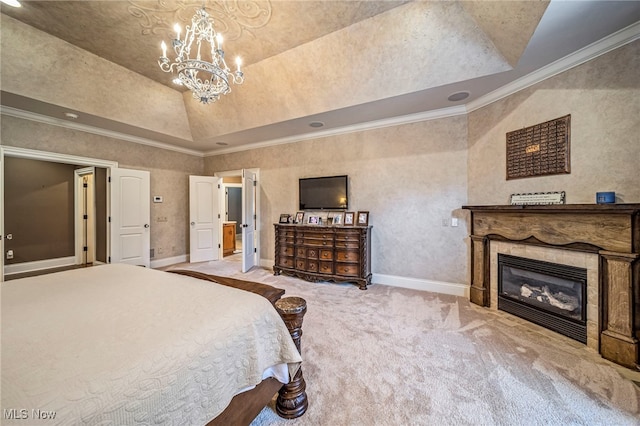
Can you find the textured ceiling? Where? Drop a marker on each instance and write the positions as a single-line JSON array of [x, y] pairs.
[[129, 33], [339, 62]]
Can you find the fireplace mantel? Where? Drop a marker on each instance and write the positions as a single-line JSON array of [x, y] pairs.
[[612, 231]]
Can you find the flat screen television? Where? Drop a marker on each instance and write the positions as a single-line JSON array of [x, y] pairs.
[[324, 193]]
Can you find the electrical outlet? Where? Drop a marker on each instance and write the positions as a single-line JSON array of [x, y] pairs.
[[445, 221], [454, 221], [9, 254]]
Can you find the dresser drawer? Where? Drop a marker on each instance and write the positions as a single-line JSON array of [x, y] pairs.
[[312, 253], [286, 251], [285, 262], [317, 242], [347, 234], [312, 265], [316, 235], [285, 240], [354, 244], [301, 264], [326, 254], [326, 267], [347, 255], [348, 269]]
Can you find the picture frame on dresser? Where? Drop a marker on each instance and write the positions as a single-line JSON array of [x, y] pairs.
[[284, 218], [337, 219], [363, 219], [299, 217], [349, 218], [313, 220]]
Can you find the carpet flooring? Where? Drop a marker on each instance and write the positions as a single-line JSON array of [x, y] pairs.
[[393, 356]]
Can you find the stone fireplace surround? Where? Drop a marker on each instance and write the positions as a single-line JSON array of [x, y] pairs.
[[588, 261], [604, 239]]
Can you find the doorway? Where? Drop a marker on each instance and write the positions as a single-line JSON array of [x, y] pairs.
[[44, 193], [233, 211], [247, 224]]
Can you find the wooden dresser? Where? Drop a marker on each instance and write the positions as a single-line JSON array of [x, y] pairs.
[[324, 253], [228, 238]]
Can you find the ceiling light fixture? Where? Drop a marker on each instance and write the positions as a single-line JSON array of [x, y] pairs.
[[207, 74], [316, 124]]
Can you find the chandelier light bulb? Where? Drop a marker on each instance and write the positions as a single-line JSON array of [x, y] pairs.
[[12, 3], [238, 63], [164, 49], [178, 30], [219, 40]]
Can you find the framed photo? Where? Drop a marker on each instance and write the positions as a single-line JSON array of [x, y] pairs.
[[338, 218], [313, 220], [299, 217], [284, 218], [363, 219], [348, 218]]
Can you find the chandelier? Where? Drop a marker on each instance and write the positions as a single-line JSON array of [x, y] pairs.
[[206, 74]]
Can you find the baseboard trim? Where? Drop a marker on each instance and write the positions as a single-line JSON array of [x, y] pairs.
[[161, 263], [38, 265], [454, 289]]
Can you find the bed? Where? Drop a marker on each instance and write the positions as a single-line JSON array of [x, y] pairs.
[[120, 344]]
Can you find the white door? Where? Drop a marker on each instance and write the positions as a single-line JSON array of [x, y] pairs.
[[130, 217], [249, 216], [204, 221]]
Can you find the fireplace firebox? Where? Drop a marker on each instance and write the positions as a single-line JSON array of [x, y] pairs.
[[549, 294]]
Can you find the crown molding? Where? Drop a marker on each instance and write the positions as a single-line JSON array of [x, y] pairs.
[[27, 115], [605, 45], [369, 125]]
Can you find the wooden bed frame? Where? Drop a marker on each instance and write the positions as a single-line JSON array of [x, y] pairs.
[[292, 398]]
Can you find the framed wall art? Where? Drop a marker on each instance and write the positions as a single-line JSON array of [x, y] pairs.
[[539, 150]]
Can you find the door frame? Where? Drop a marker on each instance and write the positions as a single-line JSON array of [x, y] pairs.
[[239, 172], [9, 151]]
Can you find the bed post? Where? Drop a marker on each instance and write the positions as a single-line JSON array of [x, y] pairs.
[[292, 399]]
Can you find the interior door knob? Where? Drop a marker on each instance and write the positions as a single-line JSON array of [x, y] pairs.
[[146, 225], [193, 223]]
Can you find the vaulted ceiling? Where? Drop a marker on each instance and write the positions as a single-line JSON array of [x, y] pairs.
[[341, 63]]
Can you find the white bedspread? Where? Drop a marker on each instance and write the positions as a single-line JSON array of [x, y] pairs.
[[124, 345]]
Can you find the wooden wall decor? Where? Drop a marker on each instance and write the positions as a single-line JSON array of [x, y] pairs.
[[539, 150]]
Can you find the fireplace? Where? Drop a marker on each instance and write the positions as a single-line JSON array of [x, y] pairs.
[[607, 235], [549, 294]]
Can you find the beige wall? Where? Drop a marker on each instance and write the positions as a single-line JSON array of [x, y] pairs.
[[38, 209], [112, 91], [169, 172], [603, 98], [408, 177]]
